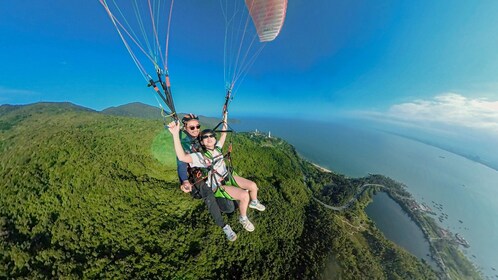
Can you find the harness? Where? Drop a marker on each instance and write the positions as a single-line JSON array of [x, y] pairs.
[[199, 175], [190, 144]]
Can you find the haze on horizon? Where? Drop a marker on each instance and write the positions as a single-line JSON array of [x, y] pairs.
[[426, 68]]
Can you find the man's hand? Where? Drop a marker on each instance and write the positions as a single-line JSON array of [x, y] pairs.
[[186, 187], [174, 127]]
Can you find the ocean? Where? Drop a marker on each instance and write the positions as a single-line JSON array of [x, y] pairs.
[[463, 193]]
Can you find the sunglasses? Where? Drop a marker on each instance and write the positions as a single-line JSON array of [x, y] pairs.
[[208, 136], [194, 127]]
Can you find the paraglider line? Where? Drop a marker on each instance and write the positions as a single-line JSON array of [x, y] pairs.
[[155, 31], [116, 23], [242, 41], [167, 35]]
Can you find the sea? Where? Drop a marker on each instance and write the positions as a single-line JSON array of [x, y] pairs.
[[462, 193]]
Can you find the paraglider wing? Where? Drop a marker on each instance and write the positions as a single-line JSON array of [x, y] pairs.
[[268, 17]]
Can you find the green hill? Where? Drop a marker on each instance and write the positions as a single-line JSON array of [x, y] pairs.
[[89, 195], [144, 111], [135, 109]]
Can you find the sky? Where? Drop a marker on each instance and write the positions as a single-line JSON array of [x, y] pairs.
[[410, 62]]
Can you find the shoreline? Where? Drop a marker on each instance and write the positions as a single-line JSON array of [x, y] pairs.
[[321, 167], [473, 158], [440, 240]]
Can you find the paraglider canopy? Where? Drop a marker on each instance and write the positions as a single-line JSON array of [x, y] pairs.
[[268, 17]]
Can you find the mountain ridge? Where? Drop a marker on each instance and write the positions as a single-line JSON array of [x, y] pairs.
[[141, 110]]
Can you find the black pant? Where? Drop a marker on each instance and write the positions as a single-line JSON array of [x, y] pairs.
[[215, 205]]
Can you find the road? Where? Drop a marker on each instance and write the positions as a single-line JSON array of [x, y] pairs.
[[341, 208], [351, 201]]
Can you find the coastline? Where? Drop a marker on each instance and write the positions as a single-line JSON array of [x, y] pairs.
[[320, 167], [473, 158], [441, 241], [450, 252], [443, 244]]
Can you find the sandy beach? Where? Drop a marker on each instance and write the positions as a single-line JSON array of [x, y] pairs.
[[321, 168]]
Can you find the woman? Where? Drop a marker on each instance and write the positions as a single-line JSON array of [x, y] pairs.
[[246, 193]]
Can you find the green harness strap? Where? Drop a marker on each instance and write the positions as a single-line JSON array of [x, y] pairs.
[[220, 192]]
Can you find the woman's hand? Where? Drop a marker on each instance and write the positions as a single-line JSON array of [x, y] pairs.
[[223, 136], [225, 117]]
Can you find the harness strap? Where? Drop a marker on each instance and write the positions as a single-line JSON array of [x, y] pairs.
[[210, 156], [228, 178], [165, 94]]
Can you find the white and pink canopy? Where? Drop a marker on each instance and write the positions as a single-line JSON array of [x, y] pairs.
[[268, 17]]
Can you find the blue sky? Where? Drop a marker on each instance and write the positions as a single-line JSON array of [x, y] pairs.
[[385, 58]]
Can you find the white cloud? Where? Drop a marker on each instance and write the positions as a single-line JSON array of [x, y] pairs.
[[450, 109], [8, 94]]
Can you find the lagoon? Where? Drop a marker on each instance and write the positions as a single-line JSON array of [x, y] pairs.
[[398, 227]]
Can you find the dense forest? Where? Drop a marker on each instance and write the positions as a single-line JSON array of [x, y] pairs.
[[91, 195]]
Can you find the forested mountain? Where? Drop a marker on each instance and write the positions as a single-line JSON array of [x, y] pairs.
[[89, 195], [144, 111], [135, 109]]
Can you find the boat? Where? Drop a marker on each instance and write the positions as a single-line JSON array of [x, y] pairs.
[[462, 241]]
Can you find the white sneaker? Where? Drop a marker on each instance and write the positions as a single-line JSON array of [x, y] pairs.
[[255, 204], [231, 235], [246, 224]]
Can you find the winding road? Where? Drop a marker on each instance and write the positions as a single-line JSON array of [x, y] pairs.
[[341, 208], [351, 201]]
